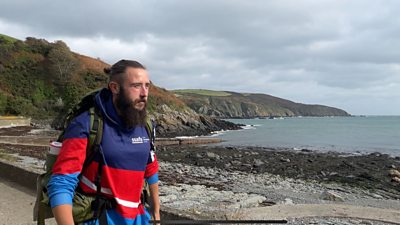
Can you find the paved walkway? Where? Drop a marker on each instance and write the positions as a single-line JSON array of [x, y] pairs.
[[16, 204], [323, 210]]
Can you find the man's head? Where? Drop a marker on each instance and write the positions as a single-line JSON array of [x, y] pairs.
[[129, 84]]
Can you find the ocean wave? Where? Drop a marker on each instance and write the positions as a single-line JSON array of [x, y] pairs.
[[249, 126]]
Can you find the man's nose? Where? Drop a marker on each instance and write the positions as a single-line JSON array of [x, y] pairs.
[[144, 91]]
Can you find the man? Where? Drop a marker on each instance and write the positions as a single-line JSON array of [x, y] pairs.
[[125, 158]]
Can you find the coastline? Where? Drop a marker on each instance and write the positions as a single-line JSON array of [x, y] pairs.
[[230, 182], [237, 181]]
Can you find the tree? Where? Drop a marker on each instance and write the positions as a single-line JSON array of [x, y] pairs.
[[19, 106], [71, 95], [64, 64], [38, 45], [3, 103]]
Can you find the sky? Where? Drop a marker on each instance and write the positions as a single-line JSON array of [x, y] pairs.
[[339, 53]]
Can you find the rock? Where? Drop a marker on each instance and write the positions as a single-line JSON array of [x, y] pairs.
[[227, 165], [331, 196], [364, 222], [169, 198], [377, 196], [396, 179], [288, 201], [237, 155], [236, 162], [394, 173], [285, 160], [212, 155], [252, 201], [258, 163]]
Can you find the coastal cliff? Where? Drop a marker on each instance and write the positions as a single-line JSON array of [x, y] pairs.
[[224, 104], [171, 123]]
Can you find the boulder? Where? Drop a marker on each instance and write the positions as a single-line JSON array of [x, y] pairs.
[[331, 196], [172, 123], [394, 173]]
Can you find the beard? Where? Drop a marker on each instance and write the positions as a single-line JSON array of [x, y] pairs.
[[131, 116]]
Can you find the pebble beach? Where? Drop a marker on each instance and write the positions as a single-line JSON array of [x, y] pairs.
[[228, 182]]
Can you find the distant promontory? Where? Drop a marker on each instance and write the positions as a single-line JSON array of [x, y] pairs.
[[225, 104]]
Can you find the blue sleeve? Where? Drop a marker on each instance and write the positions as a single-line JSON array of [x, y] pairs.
[[153, 179], [61, 189]]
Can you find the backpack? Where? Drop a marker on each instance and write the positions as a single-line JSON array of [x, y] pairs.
[[82, 204]]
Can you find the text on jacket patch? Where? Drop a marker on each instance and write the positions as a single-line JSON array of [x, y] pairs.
[[139, 140]]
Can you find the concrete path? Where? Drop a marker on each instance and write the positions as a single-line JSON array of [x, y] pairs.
[[323, 210], [16, 204]]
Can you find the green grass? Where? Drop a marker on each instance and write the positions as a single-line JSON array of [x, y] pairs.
[[202, 92], [8, 39]]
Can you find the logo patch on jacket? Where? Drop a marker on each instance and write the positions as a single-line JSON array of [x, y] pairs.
[[139, 140]]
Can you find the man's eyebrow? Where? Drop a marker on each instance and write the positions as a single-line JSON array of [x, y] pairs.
[[140, 83]]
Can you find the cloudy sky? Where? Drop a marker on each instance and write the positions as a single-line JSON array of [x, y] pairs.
[[340, 53]]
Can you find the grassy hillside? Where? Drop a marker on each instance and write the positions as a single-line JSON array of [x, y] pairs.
[[7, 39], [202, 92], [41, 79], [247, 105]]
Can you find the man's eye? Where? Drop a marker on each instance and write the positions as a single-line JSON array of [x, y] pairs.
[[139, 85]]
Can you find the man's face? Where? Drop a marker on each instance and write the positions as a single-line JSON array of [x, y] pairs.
[[131, 99], [135, 87]]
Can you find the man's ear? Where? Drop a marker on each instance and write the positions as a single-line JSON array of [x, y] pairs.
[[114, 87]]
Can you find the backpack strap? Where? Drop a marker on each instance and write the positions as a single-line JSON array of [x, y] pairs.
[[100, 204], [94, 126], [151, 132], [95, 137]]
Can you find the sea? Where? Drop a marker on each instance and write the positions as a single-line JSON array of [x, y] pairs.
[[354, 134]]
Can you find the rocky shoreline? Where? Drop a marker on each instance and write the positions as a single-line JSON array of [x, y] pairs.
[[228, 180], [369, 171], [224, 182]]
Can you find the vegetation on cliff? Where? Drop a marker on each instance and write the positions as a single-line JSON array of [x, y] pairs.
[[40, 79], [43, 80], [224, 104]]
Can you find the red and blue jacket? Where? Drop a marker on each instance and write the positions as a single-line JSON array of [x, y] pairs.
[[127, 162]]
